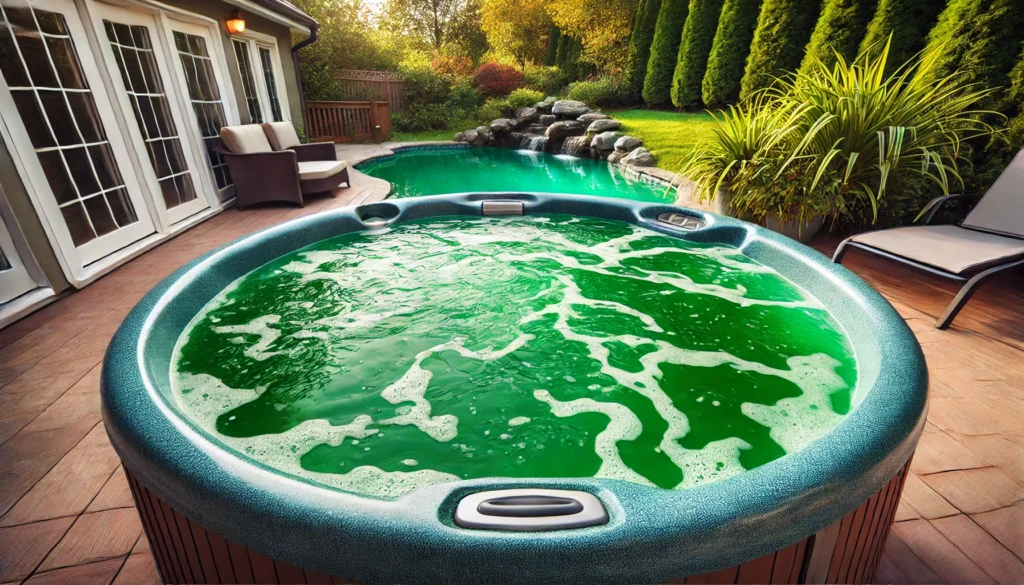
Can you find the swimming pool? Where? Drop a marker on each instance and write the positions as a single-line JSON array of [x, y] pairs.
[[413, 172]]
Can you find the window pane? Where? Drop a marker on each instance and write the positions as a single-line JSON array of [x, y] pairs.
[[34, 55], [32, 116], [66, 63], [266, 62], [102, 221], [10, 61], [78, 223], [81, 170], [205, 97], [84, 110], [248, 82], [57, 175], [121, 207], [59, 117], [104, 166]]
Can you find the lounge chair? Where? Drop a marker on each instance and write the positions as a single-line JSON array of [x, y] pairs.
[[284, 170], [990, 240]]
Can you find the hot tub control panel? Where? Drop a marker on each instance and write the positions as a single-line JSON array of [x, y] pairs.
[[530, 510]]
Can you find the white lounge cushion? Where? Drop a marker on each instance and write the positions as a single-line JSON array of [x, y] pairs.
[[281, 135], [248, 139], [320, 169], [949, 247]]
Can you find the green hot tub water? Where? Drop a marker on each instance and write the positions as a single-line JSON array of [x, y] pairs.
[[455, 348], [479, 170]]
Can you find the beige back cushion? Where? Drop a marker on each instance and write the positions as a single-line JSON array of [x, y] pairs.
[[281, 135], [246, 139], [1001, 210]]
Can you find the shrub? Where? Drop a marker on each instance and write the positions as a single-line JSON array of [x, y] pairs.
[[423, 86], [698, 34], [495, 79], [546, 80], [906, 23], [974, 37], [605, 92], [729, 51], [523, 98], [840, 29], [833, 141], [783, 29], [493, 109], [664, 50], [640, 45], [421, 117], [451, 65]]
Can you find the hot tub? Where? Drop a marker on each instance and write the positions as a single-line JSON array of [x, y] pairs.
[[213, 513]]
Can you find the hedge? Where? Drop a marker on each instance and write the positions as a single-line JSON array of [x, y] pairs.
[[979, 38], [783, 29], [553, 39], [907, 22], [841, 28], [729, 51], [640, 45], [664, 50], [698, 35]]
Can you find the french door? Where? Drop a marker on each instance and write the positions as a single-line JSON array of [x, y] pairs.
[[14, 277], [198, 72], [79, 164], [139, 67]]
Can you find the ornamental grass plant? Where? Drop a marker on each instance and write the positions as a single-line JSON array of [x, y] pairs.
[[831, 140]]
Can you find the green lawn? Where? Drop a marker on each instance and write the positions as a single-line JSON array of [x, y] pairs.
[[427, 136], [668, 135]]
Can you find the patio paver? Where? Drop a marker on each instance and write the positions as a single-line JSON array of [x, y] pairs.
[[66, 517]]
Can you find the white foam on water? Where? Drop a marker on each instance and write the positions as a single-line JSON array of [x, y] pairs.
[[519, 420], [260, 327]]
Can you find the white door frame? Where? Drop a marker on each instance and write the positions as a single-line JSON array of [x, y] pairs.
[[200, 179], [76, 258]]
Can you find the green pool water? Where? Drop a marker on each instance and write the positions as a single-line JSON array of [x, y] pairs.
[[433, 172], [455, 348]]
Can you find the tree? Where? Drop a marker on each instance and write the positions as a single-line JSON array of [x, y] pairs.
[[980, 39], [783, 29], [729, 51], [694, 48], [517, 27], [553, 39], [640, 45], [437, 22], [603, 27], [841, 28], [664, 50], [569, 49], [907, 22]]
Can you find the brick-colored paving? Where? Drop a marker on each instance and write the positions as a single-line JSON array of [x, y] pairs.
[[66, 514]]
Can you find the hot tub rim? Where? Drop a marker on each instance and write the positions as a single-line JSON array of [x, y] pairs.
[[177, 470]]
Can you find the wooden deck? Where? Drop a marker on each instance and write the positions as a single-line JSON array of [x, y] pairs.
[[66, 514]]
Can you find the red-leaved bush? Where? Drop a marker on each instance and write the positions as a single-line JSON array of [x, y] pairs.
[[496, 80], [454, 66]]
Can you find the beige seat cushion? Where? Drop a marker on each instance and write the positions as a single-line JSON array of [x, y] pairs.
[[281, 135], [320, 169], [248, 139], [949, 247]]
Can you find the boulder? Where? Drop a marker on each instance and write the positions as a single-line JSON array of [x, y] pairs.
[[526, 115], [605, 141], [616, 156], [485, 135], [502, 125], [565, 129], [604, 125], [639, 157], [469, 137], [592, 116], [569, 109], [543, 107], [547, 119], [627, 144]]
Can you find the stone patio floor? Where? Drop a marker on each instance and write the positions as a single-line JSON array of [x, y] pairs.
[[66, 514]]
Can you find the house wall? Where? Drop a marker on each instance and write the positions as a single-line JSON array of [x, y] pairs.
[[221, 11]]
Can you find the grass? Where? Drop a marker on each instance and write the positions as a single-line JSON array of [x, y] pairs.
[[668, 135], [426, 136]]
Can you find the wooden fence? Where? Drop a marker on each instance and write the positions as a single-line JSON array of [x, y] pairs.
[[379, 86], [355, 121]]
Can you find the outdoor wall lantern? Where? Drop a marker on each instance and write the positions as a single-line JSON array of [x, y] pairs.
[[235, 24]]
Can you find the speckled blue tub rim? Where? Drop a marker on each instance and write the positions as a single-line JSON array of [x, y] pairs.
[[653, 534]]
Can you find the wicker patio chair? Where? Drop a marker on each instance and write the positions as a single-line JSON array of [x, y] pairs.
[[261, 173], [989, 241]]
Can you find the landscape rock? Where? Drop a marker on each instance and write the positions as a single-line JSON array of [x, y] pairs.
[[639, 157], [565, 129], [526, 115], [470, 137], [569, 109], [604, 125], [576, 146], [547, 119], [616, 156], [543, 107], [502, 125], [627, 144], [605, 140], [592, 116]]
